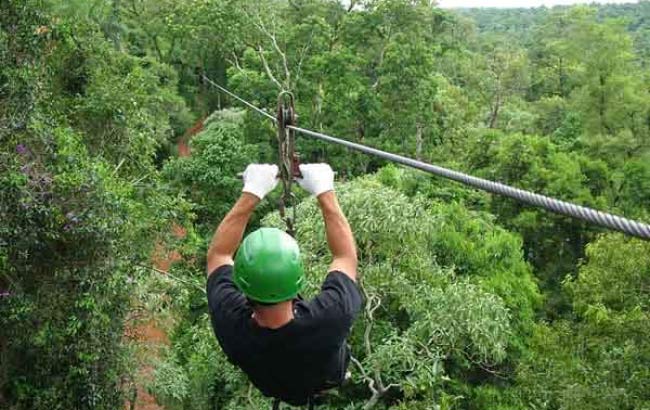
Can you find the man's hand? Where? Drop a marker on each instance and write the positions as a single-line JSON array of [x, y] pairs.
[[316, 178], [260, 179]]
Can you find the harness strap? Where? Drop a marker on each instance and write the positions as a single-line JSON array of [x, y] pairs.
[[310, 403]]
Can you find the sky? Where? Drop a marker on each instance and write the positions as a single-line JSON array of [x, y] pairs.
[[520, 3]]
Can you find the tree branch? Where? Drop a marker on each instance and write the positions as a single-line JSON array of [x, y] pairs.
[[259, 24], [175, 278], [235, 62], [303, 52], [269, 73]]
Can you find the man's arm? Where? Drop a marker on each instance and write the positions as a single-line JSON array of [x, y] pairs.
[[259, 180], [339, 236], [230, 232], [318, 179]]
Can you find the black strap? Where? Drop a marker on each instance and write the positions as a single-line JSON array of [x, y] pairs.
[[310, 402]]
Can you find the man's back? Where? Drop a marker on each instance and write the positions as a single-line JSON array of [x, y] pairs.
[[303, 357], [290, 349]]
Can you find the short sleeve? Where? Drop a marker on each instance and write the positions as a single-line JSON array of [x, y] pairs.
[[339, 298], [223, 295]]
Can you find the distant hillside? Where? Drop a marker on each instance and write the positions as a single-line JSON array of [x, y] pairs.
[[519, 22]]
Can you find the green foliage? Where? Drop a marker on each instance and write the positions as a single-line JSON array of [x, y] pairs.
[[193, 372], [71, 234], [604, 356], [635, 188], [615, 278], [196, 374], [209, 176], [80, 210], [128, 101], [20, 53], [552, 243], [491, 256], [422, 322], [472, 244], [424, 328], [93, 95]]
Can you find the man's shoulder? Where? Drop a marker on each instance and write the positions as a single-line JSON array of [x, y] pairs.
[[220, 282], [339, 297], [342, 285], [337, 276], [220, 273], [225, 300]]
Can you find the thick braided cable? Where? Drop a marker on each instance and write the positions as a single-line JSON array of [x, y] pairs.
[[617, 223], [593, 216]]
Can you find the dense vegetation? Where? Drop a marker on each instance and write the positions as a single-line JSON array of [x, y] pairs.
[[471, 301]]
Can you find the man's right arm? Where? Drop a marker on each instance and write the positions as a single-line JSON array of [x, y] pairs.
[[339, 236]]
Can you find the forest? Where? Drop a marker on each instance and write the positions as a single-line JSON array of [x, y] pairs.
[[118, 160]]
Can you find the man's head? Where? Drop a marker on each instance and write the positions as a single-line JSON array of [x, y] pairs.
[[268, 268]]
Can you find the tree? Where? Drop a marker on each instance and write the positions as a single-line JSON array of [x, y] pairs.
[[505, 75], [78, 216], [407, 83], [553, 244], [208, 177], [414, 323], [603, 357]]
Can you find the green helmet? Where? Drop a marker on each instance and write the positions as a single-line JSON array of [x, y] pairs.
[[268, 267]]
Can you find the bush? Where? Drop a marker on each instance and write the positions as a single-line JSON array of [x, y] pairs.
[[80, 203], [209, 176], [70, 237]]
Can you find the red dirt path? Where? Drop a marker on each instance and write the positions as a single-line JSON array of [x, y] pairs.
[[150, 335]]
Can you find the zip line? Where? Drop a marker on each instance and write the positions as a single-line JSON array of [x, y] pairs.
[[593, 216], [235, 96]]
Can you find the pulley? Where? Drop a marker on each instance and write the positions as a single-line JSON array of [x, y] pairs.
[[288, 159]]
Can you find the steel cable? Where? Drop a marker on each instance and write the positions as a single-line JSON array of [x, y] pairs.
[[617, 223], [607, 220], [235, 96]]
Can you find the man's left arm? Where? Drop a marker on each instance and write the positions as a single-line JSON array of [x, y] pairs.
[[229, 234], [259, 180]]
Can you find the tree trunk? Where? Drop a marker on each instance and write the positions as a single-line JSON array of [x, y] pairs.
[[373, 401], [495, 112], [562, 79], [419, 141], [114, 34], [602, 102]]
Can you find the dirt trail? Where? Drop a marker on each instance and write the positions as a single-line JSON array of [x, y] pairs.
[[149, 334]]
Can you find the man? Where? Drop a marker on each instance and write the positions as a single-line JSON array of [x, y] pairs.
[[290, 349]]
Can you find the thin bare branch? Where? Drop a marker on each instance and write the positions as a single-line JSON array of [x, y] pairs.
[[262, 27], [234, 61], [174, 278], [303, 53], [269, 73]]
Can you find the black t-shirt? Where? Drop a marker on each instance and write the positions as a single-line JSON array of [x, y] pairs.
[[302, 357]]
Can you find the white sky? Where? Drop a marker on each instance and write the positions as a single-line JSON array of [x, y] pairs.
[[521, 3]]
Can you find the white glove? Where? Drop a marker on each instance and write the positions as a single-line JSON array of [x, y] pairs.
[[316, 178], [260, 179]]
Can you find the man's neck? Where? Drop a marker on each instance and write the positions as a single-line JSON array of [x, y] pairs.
[[274, 317]]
